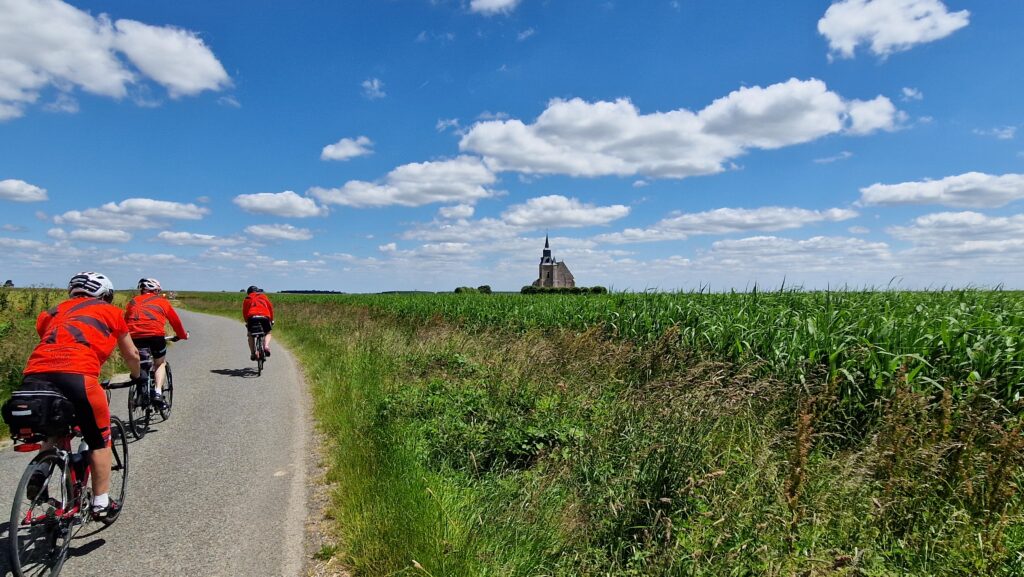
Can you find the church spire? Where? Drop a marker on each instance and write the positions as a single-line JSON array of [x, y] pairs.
[[546, 255]]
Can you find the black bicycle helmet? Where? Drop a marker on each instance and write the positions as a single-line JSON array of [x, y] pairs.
[[252, 289]]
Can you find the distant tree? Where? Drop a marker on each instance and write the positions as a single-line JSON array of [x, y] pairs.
[[484, 289], [9, 284]]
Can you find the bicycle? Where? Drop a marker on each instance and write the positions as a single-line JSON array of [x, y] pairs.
[[53, 500], [141, 403], [259, 336]]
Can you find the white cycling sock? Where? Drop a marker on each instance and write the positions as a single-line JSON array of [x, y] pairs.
[[101, 501]]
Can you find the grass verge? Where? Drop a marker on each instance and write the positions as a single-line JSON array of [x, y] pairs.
[[560, 453]]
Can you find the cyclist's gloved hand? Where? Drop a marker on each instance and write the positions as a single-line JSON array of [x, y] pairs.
[[139, 380]]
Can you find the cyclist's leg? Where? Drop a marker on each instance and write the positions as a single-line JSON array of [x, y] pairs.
[[158, 346], [161, 374], [93, 416], [266, 339]]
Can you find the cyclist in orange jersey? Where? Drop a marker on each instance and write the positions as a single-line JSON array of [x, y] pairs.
[[146, 315], [257, 312], [76, 337]]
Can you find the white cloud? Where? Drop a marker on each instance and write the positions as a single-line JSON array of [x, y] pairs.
[[482, 231], [229, 101], [278, 232], [911, 94], [196, 239], [51, 43], [963, 242], [953, 229], [21, 191], [457, 211], [373, 88], [874, 115], [14, 228], [464, 179], [389, 247], [347, 148], [446, 123], [150, 260], [726, 221], [1001, 133], [835, 158], [603, 138], [819, 253], [175, 58], [887, 26], [287, 204], [969, 190], [63, 103], [133, 213], [559, 211], [100, 235], [523, 35], [491, 7], [858, 230]]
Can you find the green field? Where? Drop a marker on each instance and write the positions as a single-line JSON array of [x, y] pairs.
[[787, 433]]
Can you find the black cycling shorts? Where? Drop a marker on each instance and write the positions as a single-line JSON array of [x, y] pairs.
[[92, 414], [156, 345], [257, 324]]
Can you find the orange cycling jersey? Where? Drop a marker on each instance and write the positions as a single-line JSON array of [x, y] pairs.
[[257, 305], [76, 336], [146, 315]]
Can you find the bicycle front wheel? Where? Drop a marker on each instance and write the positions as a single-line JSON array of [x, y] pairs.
[[40, 529], [118, 465], [138, 410], [165, 413]]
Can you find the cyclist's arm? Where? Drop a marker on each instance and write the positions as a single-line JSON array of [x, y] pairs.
[[246, 305], [270, 307], [130, 354], [42, 322], [172, 317]]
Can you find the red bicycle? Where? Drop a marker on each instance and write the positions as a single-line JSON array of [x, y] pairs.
[[53, 500]]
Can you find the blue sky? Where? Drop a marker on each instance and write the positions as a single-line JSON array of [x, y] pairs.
[[418, 144]]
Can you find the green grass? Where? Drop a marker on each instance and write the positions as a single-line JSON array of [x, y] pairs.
[[473, 436]]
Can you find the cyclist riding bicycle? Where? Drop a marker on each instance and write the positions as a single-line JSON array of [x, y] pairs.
[[258, 314], [146, 315], [76, 337]]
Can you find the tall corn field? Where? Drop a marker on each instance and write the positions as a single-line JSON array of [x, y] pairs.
[[864, 342]]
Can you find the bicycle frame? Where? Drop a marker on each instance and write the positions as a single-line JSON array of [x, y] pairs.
[[61, 447]]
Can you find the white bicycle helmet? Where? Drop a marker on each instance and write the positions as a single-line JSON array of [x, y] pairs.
[[149, 285], [91, 284]]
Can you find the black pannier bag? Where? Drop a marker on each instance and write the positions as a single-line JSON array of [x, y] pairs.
[[30, 413]]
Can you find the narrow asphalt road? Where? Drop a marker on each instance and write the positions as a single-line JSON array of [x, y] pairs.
[[217, 490]]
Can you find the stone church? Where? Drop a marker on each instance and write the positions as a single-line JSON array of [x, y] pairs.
[[552, 272]]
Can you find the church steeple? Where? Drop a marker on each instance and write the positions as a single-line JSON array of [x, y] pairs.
[[546, 255]]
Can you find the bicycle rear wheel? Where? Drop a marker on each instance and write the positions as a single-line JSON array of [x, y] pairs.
[[118, 465], [165, 413], [40, 529], [261, 355], [139, 410]]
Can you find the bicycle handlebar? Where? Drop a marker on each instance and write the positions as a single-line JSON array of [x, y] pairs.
[[111, 386]]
